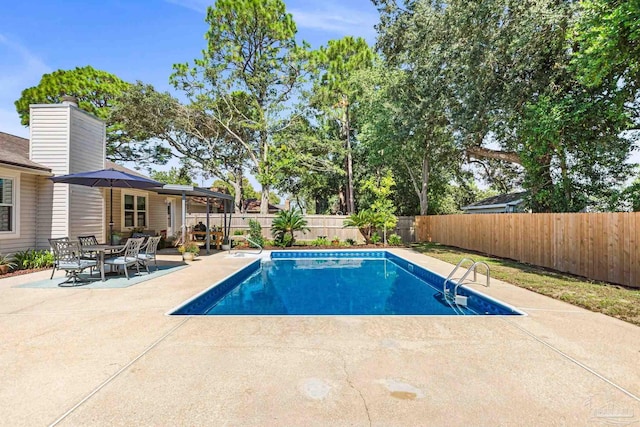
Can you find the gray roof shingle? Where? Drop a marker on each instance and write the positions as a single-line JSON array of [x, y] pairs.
[[14, 151], [501, 199]]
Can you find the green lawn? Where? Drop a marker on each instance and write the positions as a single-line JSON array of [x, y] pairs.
[[612, 300]]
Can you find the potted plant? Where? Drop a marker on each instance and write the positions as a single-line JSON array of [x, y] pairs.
[[189, 251], [226, 245], [116, 237], [6, 264], [335, 241]]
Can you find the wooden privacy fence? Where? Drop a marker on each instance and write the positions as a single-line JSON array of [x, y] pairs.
[[599, 246], [328, 226]]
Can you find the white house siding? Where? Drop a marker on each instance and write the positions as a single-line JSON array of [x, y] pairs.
[[86, 153], [49, 146], [157, 215], [27, 203], [158, 212]]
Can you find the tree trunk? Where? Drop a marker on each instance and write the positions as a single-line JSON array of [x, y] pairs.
[[342, 201], [264, 200], [424, 188], [566, 181], [351, 205], [544, 183], [238, 197]]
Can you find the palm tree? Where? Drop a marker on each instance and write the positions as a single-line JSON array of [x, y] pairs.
[[285, 224], [365, 221]]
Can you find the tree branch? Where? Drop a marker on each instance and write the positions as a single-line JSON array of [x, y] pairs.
[[487, 153]]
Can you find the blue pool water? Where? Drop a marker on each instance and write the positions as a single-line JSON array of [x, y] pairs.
[[335, 283]]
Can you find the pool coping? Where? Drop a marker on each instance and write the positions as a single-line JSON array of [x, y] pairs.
[[386, 255]]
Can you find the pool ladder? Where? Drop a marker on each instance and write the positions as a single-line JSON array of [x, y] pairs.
[[256, 244], [461, 299]]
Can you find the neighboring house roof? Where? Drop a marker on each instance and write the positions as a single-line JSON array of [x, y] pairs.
[[253, 205], [14, 151], [203, 201], [250, 205], [503, 200]]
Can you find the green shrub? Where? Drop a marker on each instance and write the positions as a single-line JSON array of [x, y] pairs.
[[238, 232], [255, 232], [320, 241], [285, 224], [375, 238], [31, 259], [364, 221], [285, 241], [395, 240], [350, 242]]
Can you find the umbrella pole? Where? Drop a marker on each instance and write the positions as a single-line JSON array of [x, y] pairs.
[[111, 215]]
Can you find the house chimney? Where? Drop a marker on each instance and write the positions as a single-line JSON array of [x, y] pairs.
[[69, 100], [287, 204]]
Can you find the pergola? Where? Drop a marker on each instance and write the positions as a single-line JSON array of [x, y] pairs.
[[190, 191]]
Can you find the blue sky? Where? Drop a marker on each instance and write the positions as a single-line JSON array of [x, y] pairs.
[[134, 39]]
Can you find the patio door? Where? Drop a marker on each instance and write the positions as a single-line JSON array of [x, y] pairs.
[[171, 217]]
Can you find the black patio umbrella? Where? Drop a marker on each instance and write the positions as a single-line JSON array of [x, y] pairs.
[[108, 178]]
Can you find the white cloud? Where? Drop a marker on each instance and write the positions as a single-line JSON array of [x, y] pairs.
[[196, 5], [19, 69], [324, 16], [337, 19]]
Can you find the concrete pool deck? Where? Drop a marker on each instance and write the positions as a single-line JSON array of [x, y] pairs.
[[78, 356]]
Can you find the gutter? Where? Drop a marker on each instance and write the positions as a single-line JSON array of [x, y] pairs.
[[32, 169]]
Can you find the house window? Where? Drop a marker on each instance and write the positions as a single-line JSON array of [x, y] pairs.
[[7, 204], [135, 210]]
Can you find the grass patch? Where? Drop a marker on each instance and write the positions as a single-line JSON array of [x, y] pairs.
[[613, 300]]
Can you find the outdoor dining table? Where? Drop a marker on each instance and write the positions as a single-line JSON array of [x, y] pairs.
[[101, 249]]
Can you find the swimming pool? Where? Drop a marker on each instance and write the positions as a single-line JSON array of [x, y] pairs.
[[336, 283]]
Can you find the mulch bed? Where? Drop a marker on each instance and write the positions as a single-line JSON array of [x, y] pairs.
[[21, 272]]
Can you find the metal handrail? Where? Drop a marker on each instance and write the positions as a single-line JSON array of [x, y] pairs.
[[255, 244], [444, 285], [473, 267], [250, 241]]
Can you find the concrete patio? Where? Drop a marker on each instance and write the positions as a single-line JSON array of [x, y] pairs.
[[78, 356]]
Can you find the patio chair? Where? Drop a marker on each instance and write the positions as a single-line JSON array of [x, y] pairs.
[[129, 256], [67, 257], [54, 248], [149, 252], [86, 241]]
